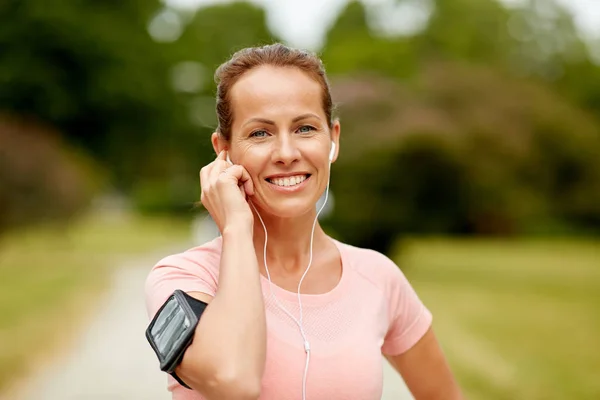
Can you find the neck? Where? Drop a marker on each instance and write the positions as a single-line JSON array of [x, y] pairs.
[[289, 241]]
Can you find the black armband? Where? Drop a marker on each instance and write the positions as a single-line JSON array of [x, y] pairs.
[[172, 329]]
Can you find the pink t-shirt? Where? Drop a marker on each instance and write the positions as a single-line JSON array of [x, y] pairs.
[[372, 311]]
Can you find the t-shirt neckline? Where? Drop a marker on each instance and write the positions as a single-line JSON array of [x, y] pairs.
[[314, 299]]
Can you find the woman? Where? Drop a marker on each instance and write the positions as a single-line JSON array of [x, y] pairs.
[[293, 313]]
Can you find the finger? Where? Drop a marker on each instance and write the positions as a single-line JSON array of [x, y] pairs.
[[204, 173], [244, 179], [222, 155], [218, 166], [232, 174], [249, 186]]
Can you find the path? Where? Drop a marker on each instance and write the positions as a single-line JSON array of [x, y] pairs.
[[112, 360]]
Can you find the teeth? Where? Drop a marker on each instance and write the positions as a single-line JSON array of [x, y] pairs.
[[288, 181]]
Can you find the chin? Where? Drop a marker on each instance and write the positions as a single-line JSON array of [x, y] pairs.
[[288, 208]]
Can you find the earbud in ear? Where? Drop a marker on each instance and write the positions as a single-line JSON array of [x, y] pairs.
[[228, 159], [332, 152]]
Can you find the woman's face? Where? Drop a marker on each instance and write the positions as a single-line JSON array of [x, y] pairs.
[[281, 136]]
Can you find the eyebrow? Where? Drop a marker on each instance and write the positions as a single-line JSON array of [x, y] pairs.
[[304, 116], [269, 122]]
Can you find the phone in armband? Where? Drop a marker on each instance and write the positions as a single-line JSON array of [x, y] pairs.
[[172, 329]]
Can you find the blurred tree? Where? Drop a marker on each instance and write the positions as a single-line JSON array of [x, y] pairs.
[[91, 70], [351, 46], [416, 185], [535, 38], [214, 33], [462, 150], [127, 82], [477, 135], [473, 30]]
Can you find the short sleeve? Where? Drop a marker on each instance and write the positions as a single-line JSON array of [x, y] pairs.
[[195, 270], [408, 316]]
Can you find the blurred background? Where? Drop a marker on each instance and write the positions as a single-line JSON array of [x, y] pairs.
[[470, 154]]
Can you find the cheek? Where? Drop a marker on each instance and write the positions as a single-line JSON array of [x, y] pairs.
[[254, 166], [248, 157]]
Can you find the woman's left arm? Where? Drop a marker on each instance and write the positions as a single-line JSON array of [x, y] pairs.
[[425, 370]]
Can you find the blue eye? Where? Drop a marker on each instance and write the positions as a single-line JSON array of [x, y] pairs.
[[305, 129], [260, 133]]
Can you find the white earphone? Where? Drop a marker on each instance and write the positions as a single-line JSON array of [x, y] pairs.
[[332, 152], [298, 322]]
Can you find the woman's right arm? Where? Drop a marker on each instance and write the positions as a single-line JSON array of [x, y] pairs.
[[226, 359], [227, 356]]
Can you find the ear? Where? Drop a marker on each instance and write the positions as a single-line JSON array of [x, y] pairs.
[[218, 142], [335, 137]]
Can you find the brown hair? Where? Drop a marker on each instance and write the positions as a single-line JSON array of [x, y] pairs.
[[277, 55]]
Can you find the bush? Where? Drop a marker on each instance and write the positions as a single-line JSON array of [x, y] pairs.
[[461, 150], [40, 179], [415, 185], [166, 196]]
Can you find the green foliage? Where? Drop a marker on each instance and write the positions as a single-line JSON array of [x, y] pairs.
[[214, 33], [173, 196], [462, 150], [352, 47], [484, 133], [92, 71], [94, 74], [472, 30], [415, 185]]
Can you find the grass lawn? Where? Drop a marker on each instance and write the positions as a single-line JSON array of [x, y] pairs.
[[517, 319], [48, 277]]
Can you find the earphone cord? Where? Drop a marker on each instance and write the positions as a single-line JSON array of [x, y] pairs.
[[299, 323]]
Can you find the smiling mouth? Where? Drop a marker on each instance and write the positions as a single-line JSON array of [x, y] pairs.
[[288, 180]]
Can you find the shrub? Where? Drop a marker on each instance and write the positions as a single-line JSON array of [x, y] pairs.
[[41, 179]]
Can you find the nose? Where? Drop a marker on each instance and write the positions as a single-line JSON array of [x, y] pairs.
[[286, 151]]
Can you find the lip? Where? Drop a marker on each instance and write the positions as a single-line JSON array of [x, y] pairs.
[[287, 174], [289, 189]]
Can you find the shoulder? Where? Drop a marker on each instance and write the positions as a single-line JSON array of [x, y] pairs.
[[193, 270], [407, 317], [372, 266], [204, 257]]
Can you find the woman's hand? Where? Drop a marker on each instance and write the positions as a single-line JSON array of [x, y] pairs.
[[225, 189]]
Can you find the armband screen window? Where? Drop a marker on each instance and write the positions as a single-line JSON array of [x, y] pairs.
[[172, 328]]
